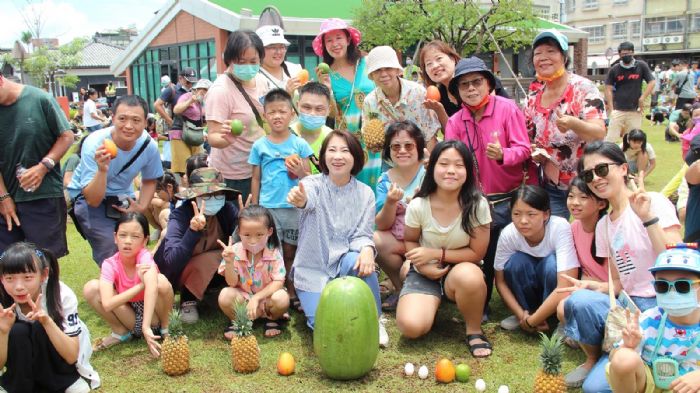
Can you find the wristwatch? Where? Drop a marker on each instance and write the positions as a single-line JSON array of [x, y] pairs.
[[48, 163]]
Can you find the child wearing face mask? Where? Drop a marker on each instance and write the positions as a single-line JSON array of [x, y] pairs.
[[255, 272], [659, 349]]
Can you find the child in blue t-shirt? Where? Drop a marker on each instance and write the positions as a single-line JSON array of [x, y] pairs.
[[659, 350], [279, 160]]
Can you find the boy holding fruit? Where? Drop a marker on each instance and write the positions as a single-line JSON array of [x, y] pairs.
[[396, 99], [279, 160]]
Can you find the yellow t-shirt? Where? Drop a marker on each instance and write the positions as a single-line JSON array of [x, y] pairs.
[[434, 235]]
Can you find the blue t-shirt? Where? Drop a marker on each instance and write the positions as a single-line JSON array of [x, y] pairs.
[[274, 180], [148, 164], [384, 183]]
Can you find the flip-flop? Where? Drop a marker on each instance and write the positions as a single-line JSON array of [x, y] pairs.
[[389, 304], [270, 325], [296, 304], [110, 341], [228, 333], [483, 345]]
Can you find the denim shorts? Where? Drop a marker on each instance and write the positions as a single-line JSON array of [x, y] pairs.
[[418, 283]]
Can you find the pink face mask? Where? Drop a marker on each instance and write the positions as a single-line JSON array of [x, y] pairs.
[[257, 247]]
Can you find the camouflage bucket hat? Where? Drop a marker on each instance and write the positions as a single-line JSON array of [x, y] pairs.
[[205, 181]]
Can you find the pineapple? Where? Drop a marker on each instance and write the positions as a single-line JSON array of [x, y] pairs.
[[175, 352], [550, 379], [373, 133], [245, 353]]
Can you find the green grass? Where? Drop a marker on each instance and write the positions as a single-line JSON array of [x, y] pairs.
[[130, 367]]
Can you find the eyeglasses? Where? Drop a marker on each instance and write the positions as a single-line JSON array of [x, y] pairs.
[[463, 84], [217, 197], [601, 170], [280, 48], [396, 147], [681, 286]]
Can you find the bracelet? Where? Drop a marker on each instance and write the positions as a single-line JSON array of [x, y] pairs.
[[442, 258], [651, 222], [4, 196], [528, 323]]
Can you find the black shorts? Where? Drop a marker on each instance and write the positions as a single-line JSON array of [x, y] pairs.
[[42, 222]]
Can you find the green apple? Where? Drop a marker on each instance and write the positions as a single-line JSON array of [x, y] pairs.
[[324, 68], [463, 372], [236, 127]]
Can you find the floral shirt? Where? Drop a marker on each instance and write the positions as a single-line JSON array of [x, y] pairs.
[[409, 107], [253, 278], [580, 99]]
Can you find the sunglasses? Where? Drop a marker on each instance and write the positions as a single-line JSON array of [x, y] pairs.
[[601, 170], [681, 286], [464, 84], [396, 147]]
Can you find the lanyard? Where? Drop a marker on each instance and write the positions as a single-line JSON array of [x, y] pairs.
[[661, 336]]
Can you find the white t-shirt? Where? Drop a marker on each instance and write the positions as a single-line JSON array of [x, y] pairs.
[[557, 239], [72, 327], [274, 83], [89, 107], [629, 240], [631, 155]]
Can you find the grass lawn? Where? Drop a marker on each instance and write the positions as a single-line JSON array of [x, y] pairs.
[[130, 367]]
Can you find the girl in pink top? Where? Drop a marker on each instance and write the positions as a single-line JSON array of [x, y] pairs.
[[131, 296], [255, 272], [587, 209]]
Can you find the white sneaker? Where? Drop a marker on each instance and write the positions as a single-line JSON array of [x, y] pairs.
[[383, 335], [188, 312], [511, 323]]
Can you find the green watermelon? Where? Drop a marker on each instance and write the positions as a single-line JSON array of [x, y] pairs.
[[346, 333]]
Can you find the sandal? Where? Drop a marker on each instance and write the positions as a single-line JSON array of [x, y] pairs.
[[483, 345], [270, 325], [228, 332], [296, 304], [110, 341], [386, 287], [390, 303]]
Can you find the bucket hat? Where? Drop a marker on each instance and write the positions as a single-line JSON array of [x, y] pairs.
[[467, 66], [334, 24], [382, 57], [205, 181]]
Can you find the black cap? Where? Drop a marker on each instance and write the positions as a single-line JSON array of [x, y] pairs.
[[189, 74], [694, 151]]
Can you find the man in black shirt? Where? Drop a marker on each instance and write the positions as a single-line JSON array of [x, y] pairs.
[[623, 92]]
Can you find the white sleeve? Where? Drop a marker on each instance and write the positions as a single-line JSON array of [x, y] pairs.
[[663, 208], [563, 242], [69, 303], [650, 151], [602, 243], [506, 247]]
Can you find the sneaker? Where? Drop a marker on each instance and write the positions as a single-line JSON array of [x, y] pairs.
[[188, 312], [576, 378], [511, 323], [383, 335]]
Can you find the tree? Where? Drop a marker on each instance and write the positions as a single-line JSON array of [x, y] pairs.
[[465, 25], [45, 65]]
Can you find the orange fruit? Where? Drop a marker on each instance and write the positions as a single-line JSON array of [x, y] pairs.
[[432, 93], [303, 76], [285, 364], [445, 371], [110, 147], [293, 159]]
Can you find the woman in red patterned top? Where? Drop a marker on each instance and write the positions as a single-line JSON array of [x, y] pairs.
[[563, 113]]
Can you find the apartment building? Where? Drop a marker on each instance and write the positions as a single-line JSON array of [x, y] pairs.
[[671, 29]]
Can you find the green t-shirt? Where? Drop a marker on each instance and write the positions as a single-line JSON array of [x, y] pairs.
[[316, 145], [28, 130], [70, 164]]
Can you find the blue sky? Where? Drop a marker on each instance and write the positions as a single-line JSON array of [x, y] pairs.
[[67, 19]]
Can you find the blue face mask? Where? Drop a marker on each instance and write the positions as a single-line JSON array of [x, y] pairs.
[[311, 122], [245, 72], [213, 204], [678, 304]]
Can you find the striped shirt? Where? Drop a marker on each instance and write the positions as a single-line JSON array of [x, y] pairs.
[[334, 221], [676, 341]]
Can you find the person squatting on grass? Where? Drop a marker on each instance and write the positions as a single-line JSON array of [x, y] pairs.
[[445, 250], [131, 295], [255, 272], [44, 346], [636, 230]]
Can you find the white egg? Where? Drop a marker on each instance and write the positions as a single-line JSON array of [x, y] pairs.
[[503, 389], [480, 385], [409, 369], [423, 372]]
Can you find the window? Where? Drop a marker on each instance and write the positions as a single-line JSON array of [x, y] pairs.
[[654, 26], [590, 4], [570, 6], [674, 24], [619, 31], [596, 34], [695, 22], [635, 29], [541, 11], [620, 2]]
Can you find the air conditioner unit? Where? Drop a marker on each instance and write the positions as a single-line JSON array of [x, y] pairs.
[[656, 40], [666, 40], [648, 41], [676, 39]]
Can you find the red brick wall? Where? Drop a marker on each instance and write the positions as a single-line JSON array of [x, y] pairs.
[[185, 28]]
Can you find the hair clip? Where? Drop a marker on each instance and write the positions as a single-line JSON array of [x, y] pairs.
[[39, 253]]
